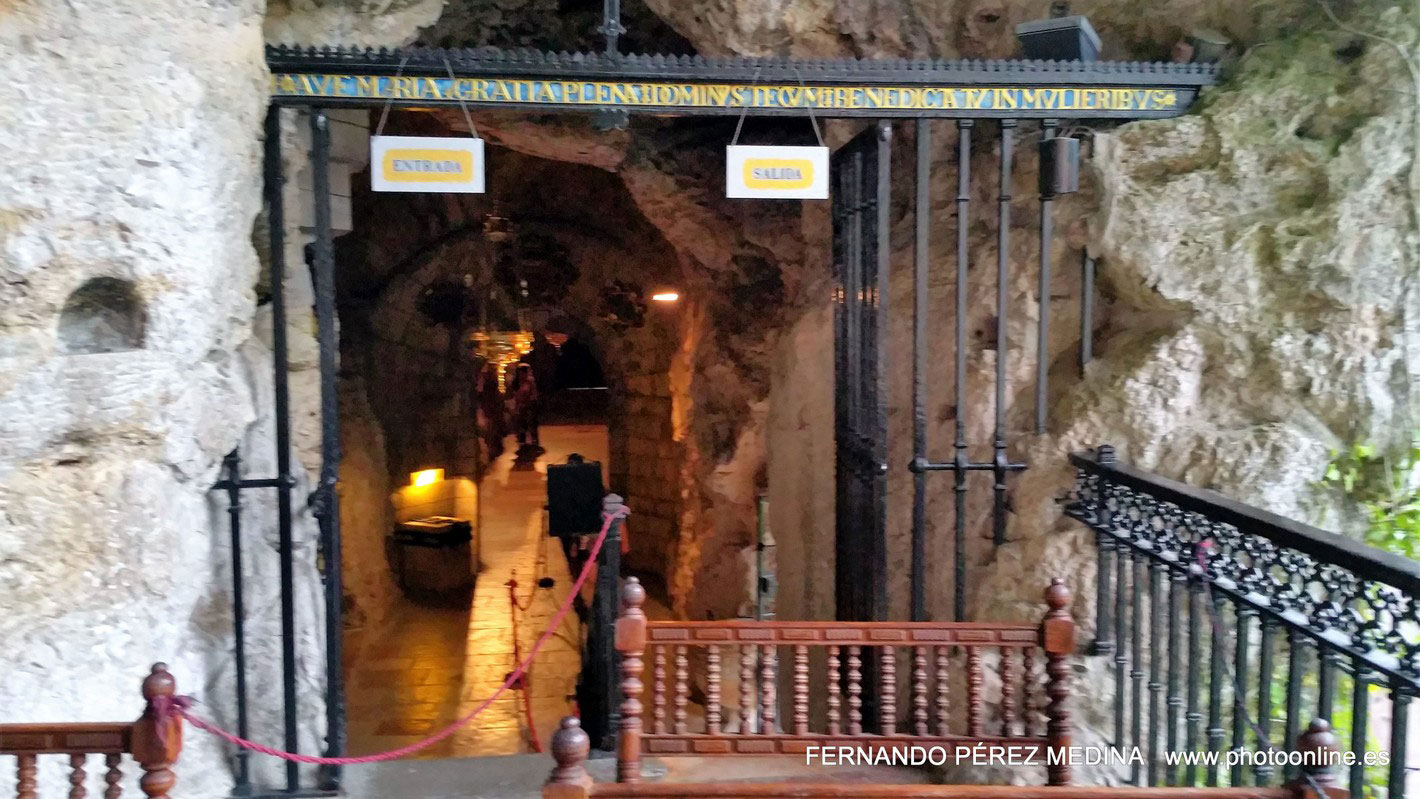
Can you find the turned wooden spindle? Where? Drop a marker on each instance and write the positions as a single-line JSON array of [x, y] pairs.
[[747, 688], [570, 747], [631, 645], [1028, 706], [855, 691], [113, 776], [157, 736], [682, 688], [973, 690], [768, 682], [658, 692], [801, 689], [943, 691], [25, 773], [77, 776], [1057, 634], [919, 690], [712, 691], [1319, 748], [887, 659], [835, 693], [1008, 692]]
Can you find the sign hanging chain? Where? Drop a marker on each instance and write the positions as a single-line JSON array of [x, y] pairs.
[[389, 101], [744, 111], [818, 134], [462, 105]]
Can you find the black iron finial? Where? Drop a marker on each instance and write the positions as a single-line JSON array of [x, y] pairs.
[[611, 25], [1107, 455]]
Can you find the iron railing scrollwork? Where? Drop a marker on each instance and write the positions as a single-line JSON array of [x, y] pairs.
[[1228, 628]]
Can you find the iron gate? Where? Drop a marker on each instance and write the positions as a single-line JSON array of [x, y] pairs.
[[862, 185]]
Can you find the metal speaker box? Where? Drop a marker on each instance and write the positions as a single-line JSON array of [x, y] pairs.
[[1059, 39], [574, 498], [1059, 166]]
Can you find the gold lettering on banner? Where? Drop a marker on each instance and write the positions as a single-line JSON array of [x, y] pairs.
[[670, 94]]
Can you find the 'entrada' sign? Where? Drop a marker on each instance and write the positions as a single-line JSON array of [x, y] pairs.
[[426, 164], [788, 173]]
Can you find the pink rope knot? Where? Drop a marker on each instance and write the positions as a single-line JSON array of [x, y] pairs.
[[163, 709]]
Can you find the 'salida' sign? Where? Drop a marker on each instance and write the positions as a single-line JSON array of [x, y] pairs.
[[786, 173], [427, 164]]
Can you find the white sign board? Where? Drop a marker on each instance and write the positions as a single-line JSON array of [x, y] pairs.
[[451, 165], [786, 173]]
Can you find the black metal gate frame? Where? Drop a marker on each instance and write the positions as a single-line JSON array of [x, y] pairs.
[[316, 78]]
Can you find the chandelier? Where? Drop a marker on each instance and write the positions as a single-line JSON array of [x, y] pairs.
[[502, 348]]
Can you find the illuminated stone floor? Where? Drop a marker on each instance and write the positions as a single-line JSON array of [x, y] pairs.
[[430, 666]]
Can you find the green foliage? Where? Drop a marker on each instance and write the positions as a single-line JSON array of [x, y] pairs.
[[1385, 487]]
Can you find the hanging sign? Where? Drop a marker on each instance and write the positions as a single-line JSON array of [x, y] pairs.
[[452, 165], [786, 173]]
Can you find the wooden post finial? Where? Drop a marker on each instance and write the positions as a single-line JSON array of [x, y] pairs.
[[570, 747], [1057, 638], [1318, 746], [631, 644], [157, 736]]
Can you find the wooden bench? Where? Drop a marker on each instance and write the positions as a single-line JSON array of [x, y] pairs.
[[153, 741], [943, 663], [570, 780]]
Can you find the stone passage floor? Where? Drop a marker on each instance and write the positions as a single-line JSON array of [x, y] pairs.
[[430, 666]]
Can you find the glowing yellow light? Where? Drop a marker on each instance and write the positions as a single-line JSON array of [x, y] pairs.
[[426, 478], [503, 349], [665, 296]]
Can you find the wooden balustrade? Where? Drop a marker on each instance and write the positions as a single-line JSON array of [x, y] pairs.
[[153, 742], [570, 780], [947, 660]]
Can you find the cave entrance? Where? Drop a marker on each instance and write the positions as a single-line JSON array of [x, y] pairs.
[[485, 339], [643, 399]]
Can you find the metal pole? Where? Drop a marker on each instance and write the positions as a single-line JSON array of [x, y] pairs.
[[605, 604], [762, 509], [922, 219], [275, 186], [959, 462], [998, 515], [611, 25], [1042, 339], [327, 501], [1087, 310], [232, 465]]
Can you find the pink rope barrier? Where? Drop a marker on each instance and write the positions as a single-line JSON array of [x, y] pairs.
[[180, 708]]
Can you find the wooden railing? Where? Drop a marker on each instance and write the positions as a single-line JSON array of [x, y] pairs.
[[570, 780], [154, 742], [1032, 662]]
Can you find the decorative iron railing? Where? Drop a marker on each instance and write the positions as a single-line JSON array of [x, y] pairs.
[[1202, 601]]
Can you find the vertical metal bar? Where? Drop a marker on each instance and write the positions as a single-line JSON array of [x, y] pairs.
[[1156, 687], [232, 465], [1124, 558], [998, 511], [1174, 702], [606, 601], [1042, 338], [1136, 663], [1399, 740], [959, 461], [1087, 310], [882, 241], [1193, 719], [1217, 643], [1104, 643], [327, 506], [1360, 705], [1296, 646], [611, 25], [281, 364], [1326, 682], [922, 219], [1262, 771], [1241, 656]]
